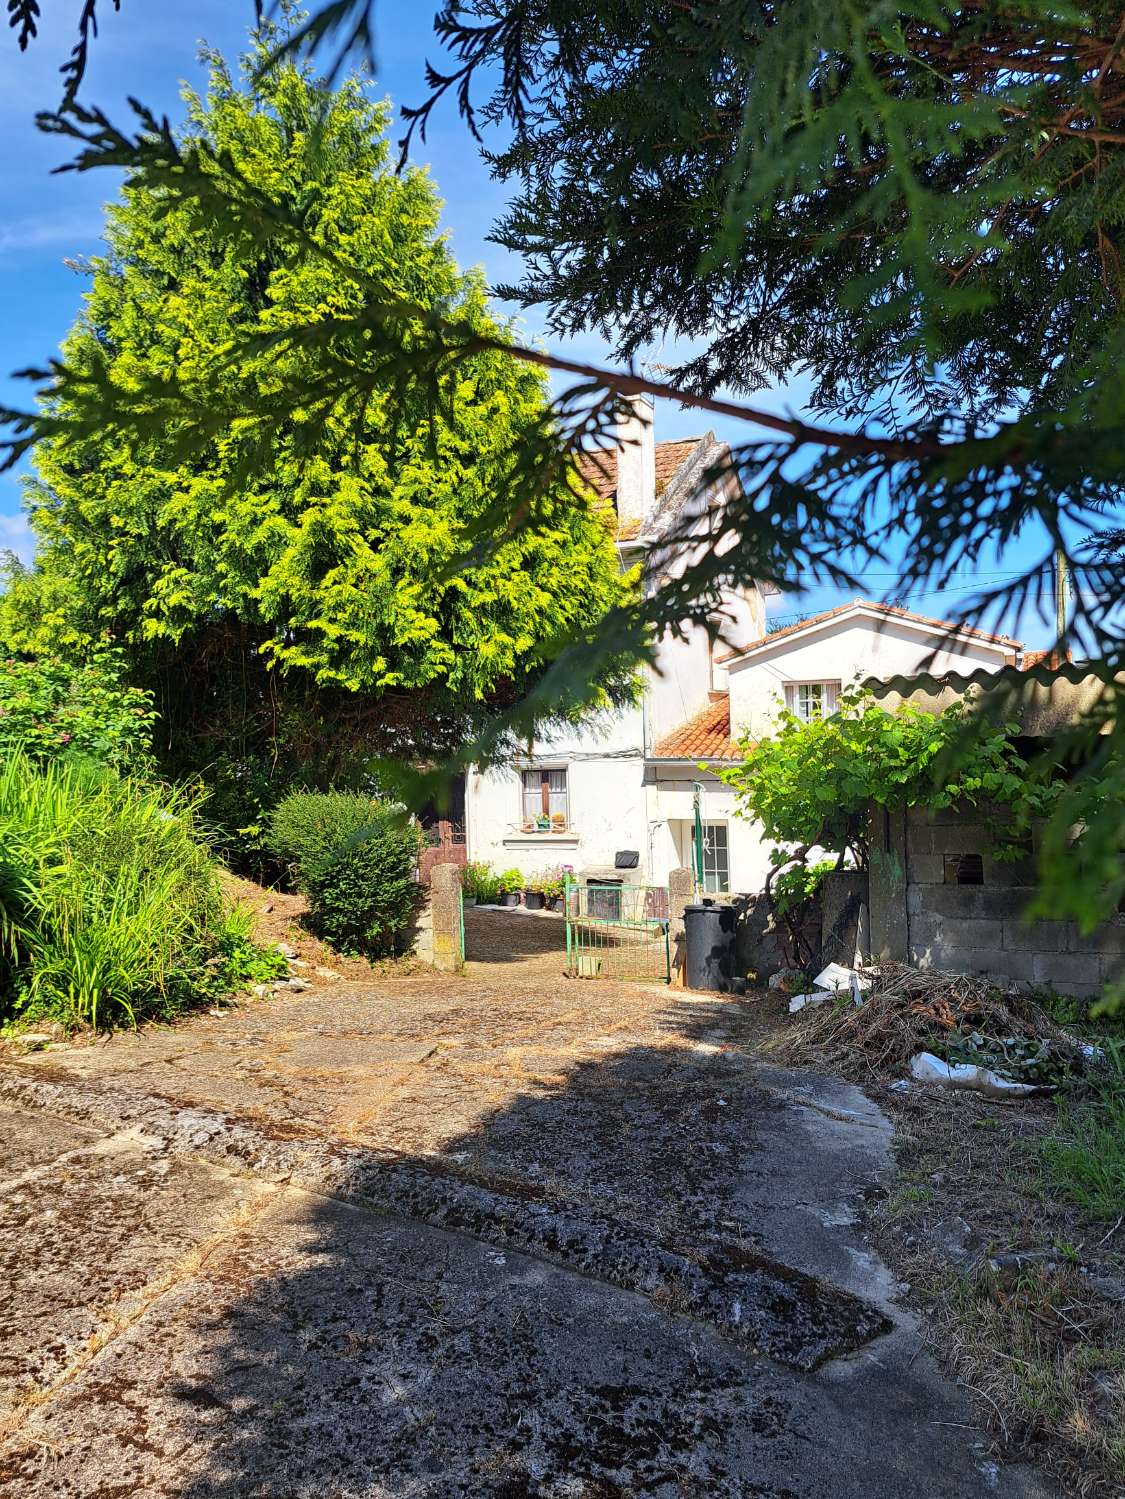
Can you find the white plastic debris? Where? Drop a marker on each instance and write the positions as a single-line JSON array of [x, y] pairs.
[[926, 1068], [836, 977], [817, 997]]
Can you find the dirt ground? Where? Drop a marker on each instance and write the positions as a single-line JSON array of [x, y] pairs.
[[503, 1235], [529, 944]]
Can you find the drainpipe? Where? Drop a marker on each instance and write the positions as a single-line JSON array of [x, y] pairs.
[[696, 802]]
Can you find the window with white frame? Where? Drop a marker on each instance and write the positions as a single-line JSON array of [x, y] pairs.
[[809, 700], [716, 858], [545, 799]]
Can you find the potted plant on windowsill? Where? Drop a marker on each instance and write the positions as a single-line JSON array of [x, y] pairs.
[[511, 883], [533, 896], [558, 822]]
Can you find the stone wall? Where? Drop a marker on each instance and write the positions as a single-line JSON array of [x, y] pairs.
[[939, 901], [764, 945], [437, 936]]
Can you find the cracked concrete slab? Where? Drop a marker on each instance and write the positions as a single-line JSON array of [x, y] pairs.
[[579, 1245]]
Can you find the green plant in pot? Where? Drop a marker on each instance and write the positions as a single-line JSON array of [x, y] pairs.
[[480, 883], [533, 894], [551, 885], [510, 885]]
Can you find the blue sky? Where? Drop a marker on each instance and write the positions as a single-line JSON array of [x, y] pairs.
[[148, 50]]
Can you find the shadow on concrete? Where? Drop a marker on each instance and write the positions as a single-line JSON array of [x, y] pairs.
[[640, 1276], [508, 936]]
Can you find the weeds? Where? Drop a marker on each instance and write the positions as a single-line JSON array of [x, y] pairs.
[[110, 906], [1048, 1357], [1084, 1155]]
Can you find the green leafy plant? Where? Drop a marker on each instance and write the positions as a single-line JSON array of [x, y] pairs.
[[510, 881], [480, 882], [551, 883], [57, 709], [110, 906], [354, 858], [799, 883], [811, 784]]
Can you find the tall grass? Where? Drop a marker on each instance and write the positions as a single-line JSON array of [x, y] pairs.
[[110, 906], [1084, 1155]]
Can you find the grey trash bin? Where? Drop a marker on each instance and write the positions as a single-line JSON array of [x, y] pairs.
[[709, 933]]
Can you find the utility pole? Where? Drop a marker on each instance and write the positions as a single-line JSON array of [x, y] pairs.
[[1060, 604]]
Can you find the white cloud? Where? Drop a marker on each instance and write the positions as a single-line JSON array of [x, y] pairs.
[[73, 231]]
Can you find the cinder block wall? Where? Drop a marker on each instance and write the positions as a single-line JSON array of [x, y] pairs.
[[979, 927]]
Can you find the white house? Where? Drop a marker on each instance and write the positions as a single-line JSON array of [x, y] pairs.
[[626, 782]]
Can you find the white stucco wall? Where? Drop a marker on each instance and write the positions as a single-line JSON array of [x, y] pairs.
[[846, 650], [607, 813], [671, 816]]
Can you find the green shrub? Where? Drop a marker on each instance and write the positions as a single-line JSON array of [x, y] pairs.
[[510, 881], [308, 827], [110, 906], [480, 882], [55, 710], [354, 858]]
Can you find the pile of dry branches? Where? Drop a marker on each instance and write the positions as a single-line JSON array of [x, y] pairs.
[[908, 1010]]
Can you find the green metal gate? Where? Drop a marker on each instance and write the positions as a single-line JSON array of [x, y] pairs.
[[617, 931]]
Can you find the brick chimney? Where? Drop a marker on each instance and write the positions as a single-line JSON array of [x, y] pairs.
[[636, 462]]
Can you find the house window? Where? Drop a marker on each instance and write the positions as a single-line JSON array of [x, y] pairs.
[[545, 798], [809, 700], [716, 858]]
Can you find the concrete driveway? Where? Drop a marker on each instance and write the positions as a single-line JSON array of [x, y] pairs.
[[474, 1237]]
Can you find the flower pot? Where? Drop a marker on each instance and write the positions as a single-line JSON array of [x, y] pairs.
[[468, 900], [533, 900], [554, 903], [510, 898]]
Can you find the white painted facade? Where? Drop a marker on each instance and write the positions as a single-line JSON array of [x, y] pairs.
[[622, 790]]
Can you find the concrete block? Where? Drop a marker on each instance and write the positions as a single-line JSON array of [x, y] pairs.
[[1080, 973], [1035, 936], [959, 959], [1009, 873], [1108, 939], [919, 840], [968, 902], [927, 869], [971, 934], [965, 838], [1017, 968]]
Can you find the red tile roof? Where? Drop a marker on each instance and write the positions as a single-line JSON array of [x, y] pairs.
[[704, 737], [1049, 659], [891, 610], [599, 470]]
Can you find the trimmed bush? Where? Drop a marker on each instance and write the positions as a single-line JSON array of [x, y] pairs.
[[354, 858], [110, 905]]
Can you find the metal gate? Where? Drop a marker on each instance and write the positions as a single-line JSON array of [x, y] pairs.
[[617, 931]]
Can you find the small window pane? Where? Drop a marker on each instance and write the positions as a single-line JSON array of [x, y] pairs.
[[809, 700], [532, 794], [556, 793], [716, 858], [544, 792]]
